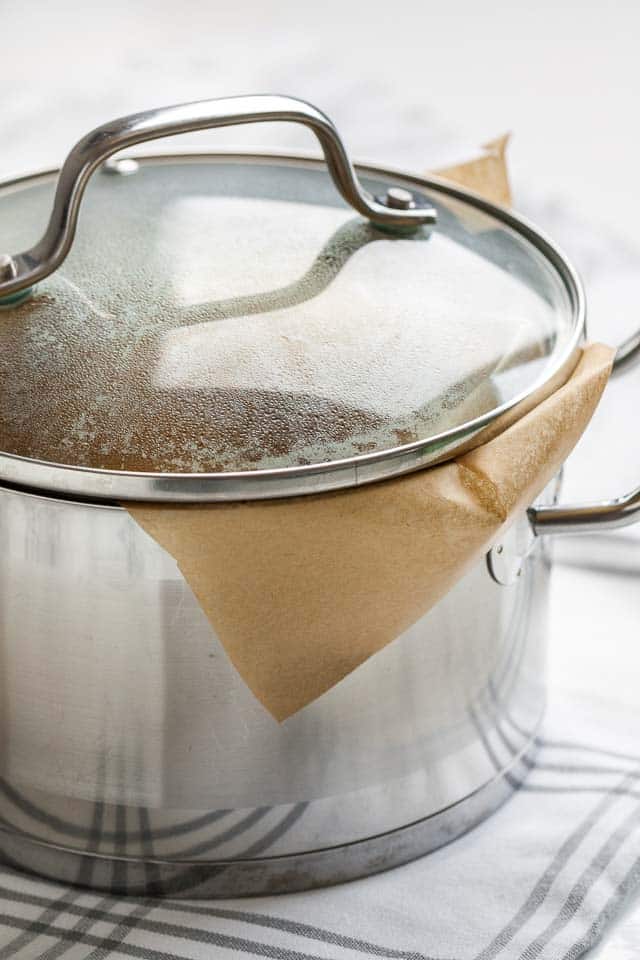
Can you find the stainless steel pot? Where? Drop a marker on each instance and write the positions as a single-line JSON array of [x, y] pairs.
[[133, 757]]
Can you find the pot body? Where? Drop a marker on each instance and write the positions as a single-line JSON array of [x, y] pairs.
[[134, 758]]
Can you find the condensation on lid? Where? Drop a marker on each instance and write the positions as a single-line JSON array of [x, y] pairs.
[[219, 316]]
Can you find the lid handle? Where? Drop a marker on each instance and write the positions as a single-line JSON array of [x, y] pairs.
[[20, 271]]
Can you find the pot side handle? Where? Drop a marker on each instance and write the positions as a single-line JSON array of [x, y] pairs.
[[605, 514], [18, 272], [585, 518]]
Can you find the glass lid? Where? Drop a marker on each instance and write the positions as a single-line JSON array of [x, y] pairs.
[[233, 316]]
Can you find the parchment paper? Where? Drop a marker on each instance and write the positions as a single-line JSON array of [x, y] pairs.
[[486, 174], [301, 591]]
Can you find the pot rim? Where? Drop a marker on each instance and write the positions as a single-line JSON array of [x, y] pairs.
[[114, 485]]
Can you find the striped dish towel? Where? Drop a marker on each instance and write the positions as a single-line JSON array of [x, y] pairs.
[[539, 879]]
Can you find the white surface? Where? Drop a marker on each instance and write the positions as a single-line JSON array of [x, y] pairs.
[[593, 646], [414, 84]]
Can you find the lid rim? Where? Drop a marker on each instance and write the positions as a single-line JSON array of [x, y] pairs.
[[109, 485]]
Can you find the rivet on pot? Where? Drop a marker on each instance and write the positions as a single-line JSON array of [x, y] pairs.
[[506, 560]]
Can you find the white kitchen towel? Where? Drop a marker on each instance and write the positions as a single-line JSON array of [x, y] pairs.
[[537, 881]]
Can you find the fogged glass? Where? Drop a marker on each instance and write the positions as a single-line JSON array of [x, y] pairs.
[[219, 316]]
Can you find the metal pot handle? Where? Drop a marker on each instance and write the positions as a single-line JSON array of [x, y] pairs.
[[606, 514], [18, 272], [585, 518]]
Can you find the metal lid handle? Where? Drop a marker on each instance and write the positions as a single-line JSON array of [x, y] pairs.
[[20, 271]]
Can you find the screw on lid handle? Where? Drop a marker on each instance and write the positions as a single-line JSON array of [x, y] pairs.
[[22, 270]]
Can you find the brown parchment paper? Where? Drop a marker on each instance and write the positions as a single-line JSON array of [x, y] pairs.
[[486, 174], [301, 591]]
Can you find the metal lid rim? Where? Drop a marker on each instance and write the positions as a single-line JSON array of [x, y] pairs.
[[109, 485]]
